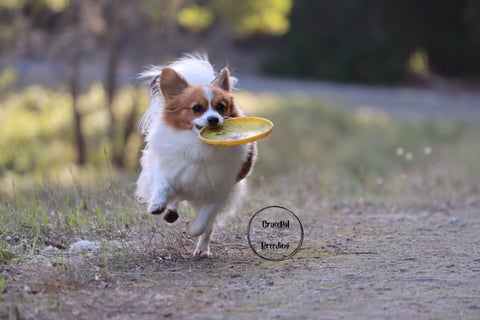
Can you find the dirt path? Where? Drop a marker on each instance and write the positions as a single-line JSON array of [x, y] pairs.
[[359, 262], [373, 263]]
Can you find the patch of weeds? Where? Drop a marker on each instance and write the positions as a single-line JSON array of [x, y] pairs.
[[3, 283], [5, 255], [72, 273], [104, 256]]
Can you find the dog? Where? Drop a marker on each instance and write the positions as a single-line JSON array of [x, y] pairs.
[[186, 96]]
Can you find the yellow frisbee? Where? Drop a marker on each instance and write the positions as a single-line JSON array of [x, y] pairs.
[[236, 131]]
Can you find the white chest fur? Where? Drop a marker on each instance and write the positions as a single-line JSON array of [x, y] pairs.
[[194, 170]]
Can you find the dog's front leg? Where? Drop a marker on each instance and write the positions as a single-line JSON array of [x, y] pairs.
[[161, 192]]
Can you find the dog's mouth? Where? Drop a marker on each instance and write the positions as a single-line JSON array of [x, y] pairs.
[[199, 127]]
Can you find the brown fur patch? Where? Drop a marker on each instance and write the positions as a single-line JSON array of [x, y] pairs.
[[248, 162]]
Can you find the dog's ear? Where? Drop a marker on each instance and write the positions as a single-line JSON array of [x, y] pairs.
[[171, 83], [223, 80]]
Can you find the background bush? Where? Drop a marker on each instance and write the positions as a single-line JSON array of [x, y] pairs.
[[373, 41]]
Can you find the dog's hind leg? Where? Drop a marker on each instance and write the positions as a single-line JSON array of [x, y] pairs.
[[204, 218], [203, 245]]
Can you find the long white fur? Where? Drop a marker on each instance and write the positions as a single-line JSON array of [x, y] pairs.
[[177, 166]]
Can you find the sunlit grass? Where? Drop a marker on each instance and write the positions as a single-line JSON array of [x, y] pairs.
[[356, 154]]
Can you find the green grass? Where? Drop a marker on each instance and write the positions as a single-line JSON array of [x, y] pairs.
[[3, 283]]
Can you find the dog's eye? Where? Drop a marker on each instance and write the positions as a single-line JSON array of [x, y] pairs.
[[197, 108], [220, 107]]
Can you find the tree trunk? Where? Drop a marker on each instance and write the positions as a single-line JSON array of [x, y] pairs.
[[74, 82], [114, 19]]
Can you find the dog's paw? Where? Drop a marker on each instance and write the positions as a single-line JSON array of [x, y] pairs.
[[202, 253], [156, 208], [202, 250], [171, 216]]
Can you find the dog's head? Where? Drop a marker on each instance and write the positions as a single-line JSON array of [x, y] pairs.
[[192, 107]]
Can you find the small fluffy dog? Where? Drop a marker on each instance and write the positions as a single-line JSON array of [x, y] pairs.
[[186, 96]]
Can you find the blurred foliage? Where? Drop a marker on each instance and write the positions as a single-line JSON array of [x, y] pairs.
[[373, 41], [255, 17], [17, 16], [322, 148], [159, 10], [243, 18], [353, 40], [195, 18], [55, 5], [36, 130], [8, 77], [418, 63]]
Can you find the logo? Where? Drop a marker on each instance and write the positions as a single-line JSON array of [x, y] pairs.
[[275, 233]]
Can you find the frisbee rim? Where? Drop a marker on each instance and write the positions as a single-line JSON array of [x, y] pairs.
[[268, 124]]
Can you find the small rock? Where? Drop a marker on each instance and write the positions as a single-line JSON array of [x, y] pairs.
[[48, 250], [453, 220], [28, 290], [84, 245], [115, 244]]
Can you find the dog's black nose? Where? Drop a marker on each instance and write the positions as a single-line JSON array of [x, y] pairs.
[[212, 121]]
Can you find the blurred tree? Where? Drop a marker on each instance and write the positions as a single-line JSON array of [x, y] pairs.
[[450, 33], [115, 17], [18, 17], [79, 28], [76, 34], [373, 41], [348, 40]]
